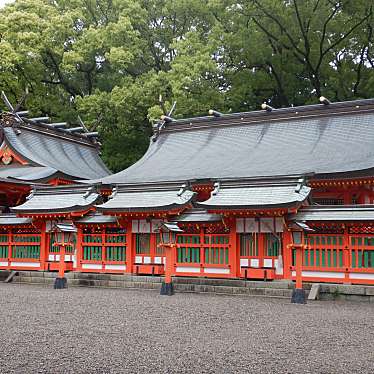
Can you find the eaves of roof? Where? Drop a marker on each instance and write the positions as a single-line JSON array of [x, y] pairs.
[[335, 213], [58, 200]]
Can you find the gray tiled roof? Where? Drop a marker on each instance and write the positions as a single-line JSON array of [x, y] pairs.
[[97, 218], [58, 200], [257, 195], [335, 213], [321, 142], [12, 219], [78, 159], [197, 215], [147, 198], [27, 173]]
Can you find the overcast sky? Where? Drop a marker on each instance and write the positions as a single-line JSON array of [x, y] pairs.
[[3, 2]]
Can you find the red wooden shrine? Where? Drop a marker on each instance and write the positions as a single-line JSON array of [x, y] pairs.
[[237, 185]]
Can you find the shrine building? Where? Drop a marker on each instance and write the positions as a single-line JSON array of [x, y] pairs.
[[238, 185]]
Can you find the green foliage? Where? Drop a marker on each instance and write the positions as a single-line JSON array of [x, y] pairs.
[[110, 60]]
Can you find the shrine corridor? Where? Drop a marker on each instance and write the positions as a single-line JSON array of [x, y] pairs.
[[82, 330]]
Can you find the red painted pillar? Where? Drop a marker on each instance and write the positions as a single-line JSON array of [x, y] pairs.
[[130, 250], [299, 266], [103, 248], [167, 286], [169, 263], [261, 249], [234, 250], [202, 251], [61, 268], [346, 255], [79, 249], [287, 255], [9, 234], [347, 198], [44, 248]]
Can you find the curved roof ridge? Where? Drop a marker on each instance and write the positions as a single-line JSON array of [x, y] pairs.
[[305, 145]]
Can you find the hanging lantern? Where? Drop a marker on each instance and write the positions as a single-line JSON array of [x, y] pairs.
[[63, 234], [168, 233], [168, 238]]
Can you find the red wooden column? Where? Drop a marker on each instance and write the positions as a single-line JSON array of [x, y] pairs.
[[103, 248], [234, 258], [44, 247], [202, 251], [287, 254], [61, 268], [130, 249], [79, 248], [169, 266], [9, 234], [261, 249], [347, 198], [346, 255], [299, 266]]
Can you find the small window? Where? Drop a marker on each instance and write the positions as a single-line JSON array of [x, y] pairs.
[[248, 245], [143, 243], [272, 244]]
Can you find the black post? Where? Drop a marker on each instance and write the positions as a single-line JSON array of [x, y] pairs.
[[167, 289], [60, 283]]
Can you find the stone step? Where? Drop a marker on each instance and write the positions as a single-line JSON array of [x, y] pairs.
[[210, 281], [227, 290], [280, 289], [4, 275], [277, 284], [154, 283]]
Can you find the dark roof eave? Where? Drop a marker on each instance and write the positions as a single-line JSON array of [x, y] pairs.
[[337, 108], [141, 209], [294, 204], [74, 209], [344, 174]]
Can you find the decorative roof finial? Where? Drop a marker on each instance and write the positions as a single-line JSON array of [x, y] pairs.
[[324, 100], [214, 113], [266, 107]]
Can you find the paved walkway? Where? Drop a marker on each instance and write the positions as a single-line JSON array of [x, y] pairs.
[[82, 330]]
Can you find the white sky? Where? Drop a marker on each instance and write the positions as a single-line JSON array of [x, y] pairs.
[[3, 2]]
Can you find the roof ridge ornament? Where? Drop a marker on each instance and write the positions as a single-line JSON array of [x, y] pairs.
[[323, 100], [31, 194], [89, 192], [267, 107], [165, 118], [300, 184], [14, 117], [215, 113], [182, 189], [114, 193], [217, 186]]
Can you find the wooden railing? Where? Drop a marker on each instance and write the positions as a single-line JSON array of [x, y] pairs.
[[204, 254], [323, 252], [20, 246], [338, 258], [362, 252], [103, 248]]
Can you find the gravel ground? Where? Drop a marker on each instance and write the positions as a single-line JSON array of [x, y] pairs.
[[83, 330]]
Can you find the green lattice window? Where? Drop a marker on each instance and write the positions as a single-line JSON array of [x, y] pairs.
[[272, 244], [142, 243], [248, 244]]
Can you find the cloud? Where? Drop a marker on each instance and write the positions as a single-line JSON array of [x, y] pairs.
[[3, 2]]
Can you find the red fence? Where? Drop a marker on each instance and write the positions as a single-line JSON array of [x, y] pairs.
[[103, 250], [338, 258], [203, 254], [20, 249]]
